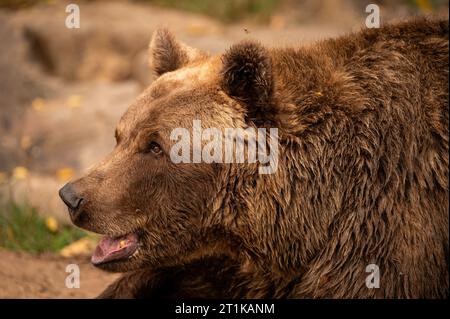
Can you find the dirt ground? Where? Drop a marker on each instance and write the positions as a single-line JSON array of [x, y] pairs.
[[62, 92], [44, 276]]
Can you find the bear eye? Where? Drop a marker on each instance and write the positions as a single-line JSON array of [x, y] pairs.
[[155, 148]]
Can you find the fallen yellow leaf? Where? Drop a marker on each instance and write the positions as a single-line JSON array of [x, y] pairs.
[[425, 5], [20, 172], [52, 224], [74, 101], [38, 104], [64, 174], [83, 246]]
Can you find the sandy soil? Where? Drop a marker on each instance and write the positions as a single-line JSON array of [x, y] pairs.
[[26, 276]]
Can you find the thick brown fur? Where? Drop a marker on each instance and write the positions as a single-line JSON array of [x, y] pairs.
[[362, 175]]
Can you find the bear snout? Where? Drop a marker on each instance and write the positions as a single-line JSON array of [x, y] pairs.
[[72, 199]]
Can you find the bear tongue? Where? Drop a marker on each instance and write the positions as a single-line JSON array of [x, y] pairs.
[[109, 249]]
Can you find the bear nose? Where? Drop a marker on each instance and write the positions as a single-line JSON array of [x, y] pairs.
[[70, 197]]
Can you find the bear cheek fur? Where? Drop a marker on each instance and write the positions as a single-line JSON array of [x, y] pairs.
[[132, 192]]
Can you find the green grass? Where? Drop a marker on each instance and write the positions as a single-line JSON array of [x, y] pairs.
[[226, 11], [22, 229]]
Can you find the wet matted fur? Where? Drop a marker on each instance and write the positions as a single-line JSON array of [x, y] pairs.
[[362, 175]]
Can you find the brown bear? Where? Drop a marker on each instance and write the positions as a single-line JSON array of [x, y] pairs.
[[358, 206]]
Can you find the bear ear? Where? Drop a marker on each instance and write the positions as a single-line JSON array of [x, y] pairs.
[[166, 54], [247, 77]]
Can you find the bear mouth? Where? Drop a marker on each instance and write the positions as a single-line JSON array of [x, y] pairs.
[[111, 249]]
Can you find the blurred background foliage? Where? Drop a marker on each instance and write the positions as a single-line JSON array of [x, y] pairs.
[[237, 10], [226, 11]]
